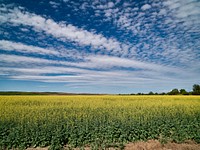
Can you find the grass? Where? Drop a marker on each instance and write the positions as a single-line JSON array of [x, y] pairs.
[[98, 121]]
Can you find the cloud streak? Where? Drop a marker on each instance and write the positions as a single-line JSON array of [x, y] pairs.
[[20, 47], [59, 30], [92, 69], [90, 62]]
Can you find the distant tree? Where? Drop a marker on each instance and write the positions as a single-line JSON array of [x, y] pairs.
[[174, 92], [151, 93], [163, 93], [196, 89], [183, 92]]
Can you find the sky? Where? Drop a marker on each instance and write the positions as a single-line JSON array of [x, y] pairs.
[[99, 46]]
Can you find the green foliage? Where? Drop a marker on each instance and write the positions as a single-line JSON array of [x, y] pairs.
[[151, 93], [174, 92], [196, 89], [183, 92], [98, 121]]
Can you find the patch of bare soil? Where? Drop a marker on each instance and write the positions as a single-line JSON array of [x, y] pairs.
[[156, 145], [149, 145]]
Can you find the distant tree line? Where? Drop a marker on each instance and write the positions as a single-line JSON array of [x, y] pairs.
[[31, 93], [195, 91], [44, 93]]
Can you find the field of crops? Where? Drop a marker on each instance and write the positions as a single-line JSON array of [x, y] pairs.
[[97, 121]]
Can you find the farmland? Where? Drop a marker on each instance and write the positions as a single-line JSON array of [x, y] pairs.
[[97, 121]]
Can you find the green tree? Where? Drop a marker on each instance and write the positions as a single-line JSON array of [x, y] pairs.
[[163, 93], [196, 89], [183, 92], [151, 93], [174, 92]]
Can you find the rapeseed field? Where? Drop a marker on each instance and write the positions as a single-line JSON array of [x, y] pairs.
[[97, 121]]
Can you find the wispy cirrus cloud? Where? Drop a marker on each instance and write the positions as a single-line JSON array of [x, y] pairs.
[[185, 12], [90, 62], [59, 52], [76, 77], [160, 29], [20, 47], [92, 69], [59, 30]]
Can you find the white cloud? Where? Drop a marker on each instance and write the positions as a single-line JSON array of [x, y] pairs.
[[163, 12], [59, 30], [54, 4], [94, 70], [176, 20], [145, 7], [90, 62], [186, 11], [110, 61], [84, 77], [84, 6], [110, 4], [77, 75], [13, 46], [60, 52], [19, 60]]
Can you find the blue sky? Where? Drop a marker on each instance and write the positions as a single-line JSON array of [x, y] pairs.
[[99, 46]]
